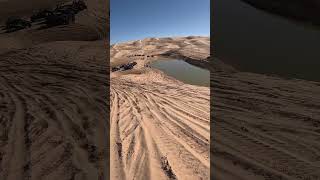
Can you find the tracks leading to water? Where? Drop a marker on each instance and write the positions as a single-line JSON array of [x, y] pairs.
[[159, 130]]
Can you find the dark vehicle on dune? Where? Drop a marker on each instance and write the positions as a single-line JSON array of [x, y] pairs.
[[60, 18], [61, 15], [128, 66], [64, 14], [79, 5], [76, 7], [41, 15], [124, 67], [15, 24]]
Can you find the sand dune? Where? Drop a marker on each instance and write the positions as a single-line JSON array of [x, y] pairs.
[[264, 127], [160, 127], [53, 111], [91, 24], [53, 101]]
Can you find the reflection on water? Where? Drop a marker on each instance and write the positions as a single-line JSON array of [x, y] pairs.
[[183, 71], [255, 41]]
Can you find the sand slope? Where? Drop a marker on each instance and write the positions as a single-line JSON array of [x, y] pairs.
[[91, 24], [53, 100], [264, 127]]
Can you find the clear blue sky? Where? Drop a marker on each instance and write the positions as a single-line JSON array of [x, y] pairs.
[[138, 19]]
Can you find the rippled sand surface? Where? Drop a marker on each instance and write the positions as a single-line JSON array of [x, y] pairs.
[[53, 108]]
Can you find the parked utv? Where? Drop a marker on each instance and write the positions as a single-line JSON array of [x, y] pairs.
[[41, 15], [76, 7], [124, 67], [15, 24], [60, 18]]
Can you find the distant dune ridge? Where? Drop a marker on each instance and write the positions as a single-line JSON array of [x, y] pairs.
[[53, 100]]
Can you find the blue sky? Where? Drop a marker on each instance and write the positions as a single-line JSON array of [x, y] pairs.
[[138, 19]]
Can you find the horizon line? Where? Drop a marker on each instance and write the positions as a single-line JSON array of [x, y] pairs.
[[125, 41]]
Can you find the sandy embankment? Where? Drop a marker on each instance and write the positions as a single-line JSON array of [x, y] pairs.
[[160, 127], [52, 97]]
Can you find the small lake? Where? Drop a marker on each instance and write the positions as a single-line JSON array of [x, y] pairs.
[[183, 71], [255, 41]]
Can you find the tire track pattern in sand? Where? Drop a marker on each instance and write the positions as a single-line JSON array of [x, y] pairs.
[[159, 130], [264, 127], [52, 106]]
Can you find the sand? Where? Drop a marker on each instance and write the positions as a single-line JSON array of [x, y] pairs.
[[160, 127], [262, 127], [306, 12], [53, 111], [265, 127], [53, 106]]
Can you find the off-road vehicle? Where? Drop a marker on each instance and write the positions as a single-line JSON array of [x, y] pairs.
[[15, 24], [41, 15], [60, 18]]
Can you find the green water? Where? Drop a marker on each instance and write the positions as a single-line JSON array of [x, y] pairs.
[[183, 71]]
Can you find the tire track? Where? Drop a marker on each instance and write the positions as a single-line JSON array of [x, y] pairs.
[[163, 139], [274, 133], [52, 106]]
